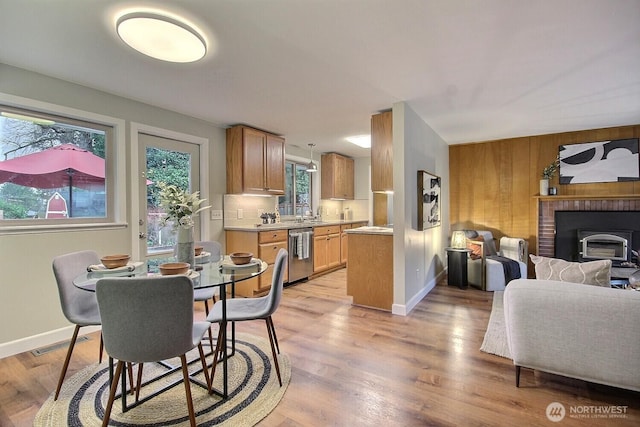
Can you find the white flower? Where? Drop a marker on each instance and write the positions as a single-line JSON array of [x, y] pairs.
[[179, 205]]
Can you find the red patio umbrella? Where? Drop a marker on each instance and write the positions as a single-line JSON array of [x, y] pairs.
[[61, 166]]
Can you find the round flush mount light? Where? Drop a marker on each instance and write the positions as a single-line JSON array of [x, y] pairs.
[[161, 37]]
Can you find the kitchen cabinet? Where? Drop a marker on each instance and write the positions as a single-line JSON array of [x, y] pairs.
[[326, 248], [255, 162], [344, 246], [382, 152], [370, 270], [264, 245], [337, 177]]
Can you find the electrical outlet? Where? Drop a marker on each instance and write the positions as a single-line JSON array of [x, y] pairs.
[[240, 214], [216, 214]]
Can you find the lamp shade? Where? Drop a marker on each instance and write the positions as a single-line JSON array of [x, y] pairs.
[[458, 240]]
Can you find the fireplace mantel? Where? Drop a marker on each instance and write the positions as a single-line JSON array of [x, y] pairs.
[[583, 197], [548, 205]]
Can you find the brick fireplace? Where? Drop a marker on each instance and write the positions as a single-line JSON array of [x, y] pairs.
[[547, 207]]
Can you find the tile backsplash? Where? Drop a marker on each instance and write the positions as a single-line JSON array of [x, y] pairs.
[[241, 210]]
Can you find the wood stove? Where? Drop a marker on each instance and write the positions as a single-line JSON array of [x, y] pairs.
[[612, 245]]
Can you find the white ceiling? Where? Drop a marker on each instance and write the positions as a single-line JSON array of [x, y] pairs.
[[316, 70]]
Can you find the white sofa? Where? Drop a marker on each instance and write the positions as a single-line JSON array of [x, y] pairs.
[[575, 330]]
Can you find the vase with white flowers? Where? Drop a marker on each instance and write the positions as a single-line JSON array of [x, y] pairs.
[[548, 173], [180, 208]]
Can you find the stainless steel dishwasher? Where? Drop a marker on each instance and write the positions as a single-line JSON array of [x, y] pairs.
[[300, 253]]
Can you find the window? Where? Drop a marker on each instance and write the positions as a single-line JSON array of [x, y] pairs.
[[297, 192], [54, 169]]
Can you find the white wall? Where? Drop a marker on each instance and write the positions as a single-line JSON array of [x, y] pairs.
[[29, 306], [417, 268]]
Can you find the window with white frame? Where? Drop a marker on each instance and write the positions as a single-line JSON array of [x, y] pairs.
[[297, 194], [54, 170]]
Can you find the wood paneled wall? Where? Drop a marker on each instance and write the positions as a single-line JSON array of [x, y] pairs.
[[494, 184]]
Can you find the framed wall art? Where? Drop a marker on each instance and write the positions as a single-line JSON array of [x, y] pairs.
[[428, 200], [602, 161]]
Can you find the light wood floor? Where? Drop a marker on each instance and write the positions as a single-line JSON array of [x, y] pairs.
[[359, 367]]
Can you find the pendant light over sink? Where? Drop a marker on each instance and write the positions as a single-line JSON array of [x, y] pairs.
[[311, 167]]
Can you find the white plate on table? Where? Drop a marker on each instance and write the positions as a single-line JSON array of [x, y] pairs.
[[227, 264], [101, 269]]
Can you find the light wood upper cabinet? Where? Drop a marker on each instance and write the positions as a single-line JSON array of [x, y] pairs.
[[382, 152], [337, 177], [255, 162]]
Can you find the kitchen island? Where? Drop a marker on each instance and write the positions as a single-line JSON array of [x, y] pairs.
[[370, 267]]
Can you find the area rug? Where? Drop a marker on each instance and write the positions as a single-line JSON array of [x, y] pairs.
[[254, 392], [495, 339]]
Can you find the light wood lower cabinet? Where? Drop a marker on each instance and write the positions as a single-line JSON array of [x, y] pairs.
[[344, 247], [370, 270], [264, 245], [326, 248]]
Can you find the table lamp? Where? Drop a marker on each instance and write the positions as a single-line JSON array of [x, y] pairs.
[[458, 240]]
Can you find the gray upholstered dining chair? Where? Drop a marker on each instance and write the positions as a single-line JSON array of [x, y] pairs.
[[206, 294], [149, 319], [79, 307], [241, 309]]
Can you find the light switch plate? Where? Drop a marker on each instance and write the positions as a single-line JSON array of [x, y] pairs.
[[216, 214], [240, 214]]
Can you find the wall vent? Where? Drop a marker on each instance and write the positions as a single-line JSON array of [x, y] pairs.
[[48, 349]]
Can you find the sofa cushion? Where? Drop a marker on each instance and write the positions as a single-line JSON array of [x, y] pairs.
[[596, 273], [475, 248]]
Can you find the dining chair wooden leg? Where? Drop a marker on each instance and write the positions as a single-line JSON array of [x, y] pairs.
[[66, 361], [187, 389], [139, 380], [101, 348], [273, 330], [204, 368], [206, 310], [273, 351], [215, 356], [130, 372], [112, 394]]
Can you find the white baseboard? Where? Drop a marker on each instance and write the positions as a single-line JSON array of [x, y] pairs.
[[40, 340], [405, 309]]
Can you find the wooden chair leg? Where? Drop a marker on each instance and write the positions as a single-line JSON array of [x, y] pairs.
[[273, 351], [130, 372], [139, 381], [273, 331], [187, 389], [112, 394], [206, 310], [101, 348], [66, 361], [215, 356], [518, 376], [204, 368]]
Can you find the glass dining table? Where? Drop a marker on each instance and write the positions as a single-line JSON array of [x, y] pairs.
[[222, 273]]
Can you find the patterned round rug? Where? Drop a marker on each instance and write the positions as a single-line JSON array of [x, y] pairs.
[[253, 393]]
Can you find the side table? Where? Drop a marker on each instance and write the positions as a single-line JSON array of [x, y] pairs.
[[457, 267]]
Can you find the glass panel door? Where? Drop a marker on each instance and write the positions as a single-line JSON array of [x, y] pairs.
[[172, 162]]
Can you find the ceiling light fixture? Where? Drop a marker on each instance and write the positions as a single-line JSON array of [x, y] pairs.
[[363, 141], [161, 37], [311, 167]]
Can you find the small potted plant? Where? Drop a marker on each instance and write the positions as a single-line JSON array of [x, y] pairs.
[[547, 173]]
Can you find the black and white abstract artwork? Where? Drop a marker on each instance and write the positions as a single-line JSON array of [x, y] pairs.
[[602, 161], [428, 200]]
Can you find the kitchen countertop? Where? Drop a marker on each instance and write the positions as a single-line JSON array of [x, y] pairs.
[[291, 225], [371, 230]]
